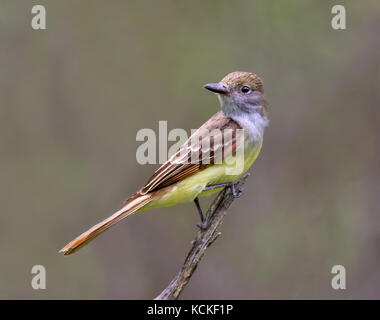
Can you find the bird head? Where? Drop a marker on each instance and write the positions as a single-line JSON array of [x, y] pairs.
[[240, 92]]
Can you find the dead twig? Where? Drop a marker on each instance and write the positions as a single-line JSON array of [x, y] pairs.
[[204, 238]]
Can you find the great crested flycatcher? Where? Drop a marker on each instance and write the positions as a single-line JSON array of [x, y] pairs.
[[194, 170]]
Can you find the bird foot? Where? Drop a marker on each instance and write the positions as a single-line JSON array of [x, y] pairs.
[[237, 192], [202, 225]]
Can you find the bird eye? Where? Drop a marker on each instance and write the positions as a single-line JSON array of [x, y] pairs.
[[245, 89]]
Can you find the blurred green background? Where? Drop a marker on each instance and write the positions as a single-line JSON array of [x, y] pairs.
[[74, 96]]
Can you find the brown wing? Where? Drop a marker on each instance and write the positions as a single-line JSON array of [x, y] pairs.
[[197, 153]]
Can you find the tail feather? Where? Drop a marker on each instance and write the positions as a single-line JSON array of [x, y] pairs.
[[131, 206]]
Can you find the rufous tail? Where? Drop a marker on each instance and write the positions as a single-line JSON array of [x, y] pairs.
[[131, 205]]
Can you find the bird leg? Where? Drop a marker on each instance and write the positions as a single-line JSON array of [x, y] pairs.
[[202, 225], [236, 193]]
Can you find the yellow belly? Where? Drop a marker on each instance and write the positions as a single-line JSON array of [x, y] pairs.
[[193, 186]]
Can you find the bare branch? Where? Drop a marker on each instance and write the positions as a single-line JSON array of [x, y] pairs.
[[204, 238]]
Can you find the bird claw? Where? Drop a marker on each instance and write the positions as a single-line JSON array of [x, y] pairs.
[[202, 225], [236, 192]]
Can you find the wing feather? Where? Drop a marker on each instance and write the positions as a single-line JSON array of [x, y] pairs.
[[195, 155]]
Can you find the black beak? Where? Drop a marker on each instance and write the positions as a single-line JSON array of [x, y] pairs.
[[216, 87]]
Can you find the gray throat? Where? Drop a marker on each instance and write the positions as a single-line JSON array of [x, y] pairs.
[[253, 122]]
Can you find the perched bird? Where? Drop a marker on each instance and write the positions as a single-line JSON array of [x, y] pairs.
[[199, 168]]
